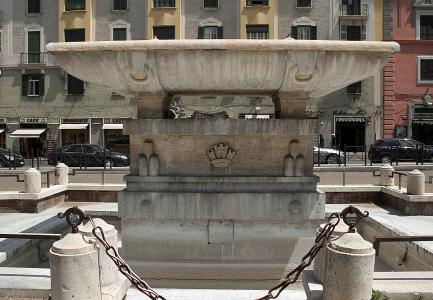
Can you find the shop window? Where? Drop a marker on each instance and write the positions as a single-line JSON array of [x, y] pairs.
[[257, 2], [164, 32], [33, 6], [355, 88], [75, 5], [258, 32], [164, 3], [426, 27], [303, 32], [75, 86], [303, 3], [120, 4], [119, 34], [32, 85], [210, 4]]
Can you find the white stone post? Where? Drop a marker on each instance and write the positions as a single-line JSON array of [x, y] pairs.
[[415, 183], [32, 181], [74, 269], [62, 174], [320, 259], [350, 268], [386, 178], [109, 271]]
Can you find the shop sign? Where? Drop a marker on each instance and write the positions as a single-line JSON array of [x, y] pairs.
[[113, 121], [2, 120], [33, 120], [75, 121]]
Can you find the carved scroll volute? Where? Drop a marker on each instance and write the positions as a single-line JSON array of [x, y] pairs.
[[294, 162], [148, 163]]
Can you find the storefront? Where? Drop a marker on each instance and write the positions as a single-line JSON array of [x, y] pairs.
[[2, 133], [349, 131], [114, 139], [32, 136], [421, 122], [74, 131]]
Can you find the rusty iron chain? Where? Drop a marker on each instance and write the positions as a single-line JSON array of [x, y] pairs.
[[99, 234]]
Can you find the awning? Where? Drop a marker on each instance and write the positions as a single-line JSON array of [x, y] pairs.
[[350, 119], [28, 133], [112, 126], [426, 121], [73, 126], [2, 130]]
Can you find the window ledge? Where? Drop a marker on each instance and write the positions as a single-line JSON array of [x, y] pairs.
[[34, 96], [78, 95], [260, 6], [304, 7], [163, 7], [33, 14], [119, 11], [75, 11], [210, 8], [424, 82]]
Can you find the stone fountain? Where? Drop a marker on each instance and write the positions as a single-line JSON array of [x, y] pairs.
[[220, 199]]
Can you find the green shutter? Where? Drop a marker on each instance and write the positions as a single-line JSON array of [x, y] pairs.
[[220, 32], [24, 84], [41, 91], [119, 34], [313, 33], [294, 33], [201, 32]]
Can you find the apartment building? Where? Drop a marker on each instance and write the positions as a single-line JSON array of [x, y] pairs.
[[42, 107], [408, 77]]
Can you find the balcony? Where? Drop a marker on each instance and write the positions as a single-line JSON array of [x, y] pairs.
[[38, 58], [354, 11]]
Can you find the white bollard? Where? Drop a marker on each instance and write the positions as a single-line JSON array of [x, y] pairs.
[[350, 268], [62, 174], [109, 271], [415, 183], [320, 259], [386, 178], [32, 181], [74, 269]]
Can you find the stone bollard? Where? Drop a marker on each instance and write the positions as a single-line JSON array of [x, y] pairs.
[[415, 183], [386, 178], [32, 181], [62, 174], [350, 268], [74, 269], [109, 271], [320, 259]]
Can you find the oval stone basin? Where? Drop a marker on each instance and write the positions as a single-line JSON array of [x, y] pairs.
[[315, 68]]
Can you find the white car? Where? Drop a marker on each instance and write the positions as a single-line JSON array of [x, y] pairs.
[[328, 156]]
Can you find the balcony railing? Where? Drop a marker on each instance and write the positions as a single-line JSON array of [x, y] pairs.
[[354, 10], [34, 58]]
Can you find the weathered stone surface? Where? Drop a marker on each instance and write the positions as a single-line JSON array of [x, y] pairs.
[[415, 183], [32, 181]]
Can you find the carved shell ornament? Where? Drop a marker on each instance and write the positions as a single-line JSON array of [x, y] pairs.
[[221, 155]]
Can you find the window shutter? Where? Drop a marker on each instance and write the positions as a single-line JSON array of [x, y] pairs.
[[24, 84], [343, 32], [313, 32], [201, 32], [41, 91], [294, 33], [220, 32]]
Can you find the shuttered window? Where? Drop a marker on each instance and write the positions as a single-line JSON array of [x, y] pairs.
[[210, 32], [34, 6], [258, 32], [34, 47], [303, 32], [32, 85], [119, 34], [75, 5], [120, 4]]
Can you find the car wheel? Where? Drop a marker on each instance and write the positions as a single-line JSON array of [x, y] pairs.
[[332, 160], [386, 159]]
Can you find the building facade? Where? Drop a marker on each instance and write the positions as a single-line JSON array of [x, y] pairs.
[[408, 77], [42, 107]]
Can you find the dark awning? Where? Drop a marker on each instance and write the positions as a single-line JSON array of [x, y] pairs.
[[350, 119]]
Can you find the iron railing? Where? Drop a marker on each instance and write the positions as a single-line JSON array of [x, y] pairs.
[[39, 58], [360, 10]]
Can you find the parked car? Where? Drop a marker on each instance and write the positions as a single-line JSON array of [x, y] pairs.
[[328, 156], [6, 159], [387, 150], [76, 155]]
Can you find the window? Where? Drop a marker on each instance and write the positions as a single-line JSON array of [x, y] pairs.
[[258, 32], [304, 32], [33, 47], [164, 3], [210, 32], [425, 69], [33, 6], [74, 86], [426, 27], [119, 34], [355, 88], [303, 3], [75, 5], [353, 33], [120, 4], [75, 35], [1, 31], [164, 32], [32, 85], [210, 4], [351, 7], [257, 2]]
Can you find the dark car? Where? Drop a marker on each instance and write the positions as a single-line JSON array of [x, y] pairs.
[[387, 150], [7, 159], [328, 156], [76, 155]]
